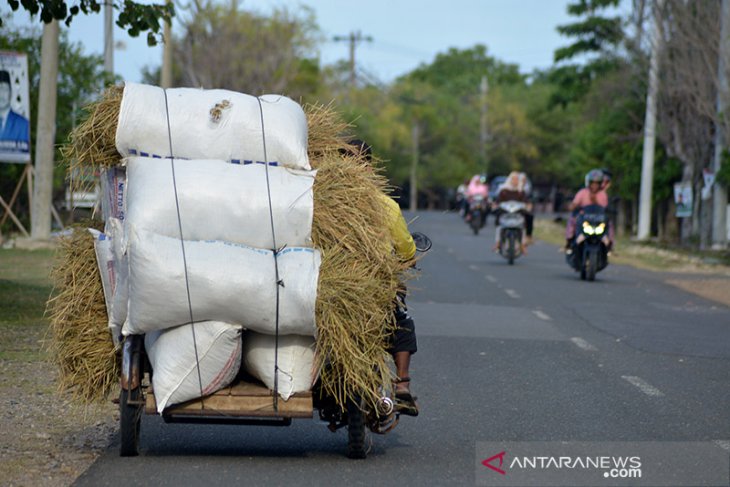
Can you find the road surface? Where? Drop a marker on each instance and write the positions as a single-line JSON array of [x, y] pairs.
[[506, 353]]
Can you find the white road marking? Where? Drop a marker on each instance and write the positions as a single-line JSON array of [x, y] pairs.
[[643, 386], [490, 278], [724, 444], [473, 267], [581, 343], [512, 293], [542, 315]]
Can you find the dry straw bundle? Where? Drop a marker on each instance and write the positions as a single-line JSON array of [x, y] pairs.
[[81, 344], [358, 274]]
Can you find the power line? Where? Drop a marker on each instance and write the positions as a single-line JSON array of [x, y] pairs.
[[354, 39]]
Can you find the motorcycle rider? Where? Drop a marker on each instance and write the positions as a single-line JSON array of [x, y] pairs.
[[513, 189], [477, 187], [592, 194], [403, 342]]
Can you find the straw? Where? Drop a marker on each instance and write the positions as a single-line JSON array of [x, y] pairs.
[[80, 342]]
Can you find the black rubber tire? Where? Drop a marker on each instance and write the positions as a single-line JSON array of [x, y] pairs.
[[591, 266], [130, 420], [356, 438], [511, 248], [476, 222]]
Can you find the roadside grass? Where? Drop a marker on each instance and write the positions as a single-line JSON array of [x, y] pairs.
[[648, 256], [24, 289]]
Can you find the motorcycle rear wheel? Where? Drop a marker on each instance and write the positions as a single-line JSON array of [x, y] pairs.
[[356, 435]]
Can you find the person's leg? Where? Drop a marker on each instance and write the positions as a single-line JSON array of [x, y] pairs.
[[402, 365], [569, 231], [403, 346], [529, 225]]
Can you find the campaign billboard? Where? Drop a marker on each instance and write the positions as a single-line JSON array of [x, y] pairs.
[[14, 108]]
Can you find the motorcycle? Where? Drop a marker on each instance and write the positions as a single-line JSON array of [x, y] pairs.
[[477, 214], [511, 224], [588, 252]]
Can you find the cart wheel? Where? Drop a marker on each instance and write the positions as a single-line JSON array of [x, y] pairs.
[[130, 419], [355, 431]]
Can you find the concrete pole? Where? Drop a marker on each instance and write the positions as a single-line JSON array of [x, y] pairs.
[[719, 197], [40, 228], [414, 167], [647, 163], [353, 40], [108, 37], [166, 71], [484, 87]]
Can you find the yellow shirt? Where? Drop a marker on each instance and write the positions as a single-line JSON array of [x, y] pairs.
[[399, 234]]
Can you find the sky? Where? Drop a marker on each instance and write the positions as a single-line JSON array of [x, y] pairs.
[[405, 33]]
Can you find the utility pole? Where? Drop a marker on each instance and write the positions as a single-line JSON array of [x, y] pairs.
[[647, 163], [483, 124], [719, 199], [354, 39], [108, 37], [414, 167], [166, 71], [45, 135]]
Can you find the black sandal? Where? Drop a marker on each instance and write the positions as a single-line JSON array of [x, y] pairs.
[[405, 402]]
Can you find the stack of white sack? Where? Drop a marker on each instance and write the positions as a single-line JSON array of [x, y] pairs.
[[295, 361], [228, 282], [220, 201], [211, 124], [172, 354], [225, 197]]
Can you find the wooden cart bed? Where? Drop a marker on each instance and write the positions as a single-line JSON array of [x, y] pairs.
[[241, 399]]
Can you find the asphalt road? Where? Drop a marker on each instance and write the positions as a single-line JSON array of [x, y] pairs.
[[506, 353]]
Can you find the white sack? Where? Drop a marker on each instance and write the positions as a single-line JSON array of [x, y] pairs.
[[105, 261], [236, 136], [228, 282], [120, 288], [104, 248], [113, 192], [174, 370], [221, 201], [295, 360]]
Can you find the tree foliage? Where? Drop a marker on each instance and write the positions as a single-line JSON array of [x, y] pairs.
[[594, 40], [134, 17], [225, 46]]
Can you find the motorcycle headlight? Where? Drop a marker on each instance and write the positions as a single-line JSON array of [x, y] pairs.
[[600, 229], [588, 229]]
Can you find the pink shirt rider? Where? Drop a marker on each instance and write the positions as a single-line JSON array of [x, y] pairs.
[[477, 188], [583, 198]]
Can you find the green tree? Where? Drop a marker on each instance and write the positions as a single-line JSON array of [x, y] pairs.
[[134, 17], [594, 40], [223, 46]]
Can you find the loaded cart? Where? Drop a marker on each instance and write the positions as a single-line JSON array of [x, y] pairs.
[[242, 267], [244, 402]]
